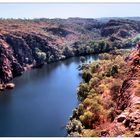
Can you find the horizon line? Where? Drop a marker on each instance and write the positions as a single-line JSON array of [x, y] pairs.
[[24, 18]]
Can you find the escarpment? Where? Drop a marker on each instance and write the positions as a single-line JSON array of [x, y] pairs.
[[127, 123], [110, 99], [9, 65], [32, 43]]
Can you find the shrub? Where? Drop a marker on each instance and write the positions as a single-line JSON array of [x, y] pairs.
[[96, 107], [74, 125], [115, 89], [87, 118], [102, 88], [86, 76], [92, 94], [111, 114], [74, 134], [94, 67], [40, 56], [67, 51], [82, 59], [90, 133], [112, 71], [87, 102], [104, 56], [82, 91], [102, 43], [94, 81], [81, 108]]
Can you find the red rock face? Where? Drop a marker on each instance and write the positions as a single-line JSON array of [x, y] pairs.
[[122, 28], [5, 68], [20, 38], [128, 122], [7, 64]]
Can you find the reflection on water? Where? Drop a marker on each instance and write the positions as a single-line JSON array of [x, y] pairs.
[[42, 101]]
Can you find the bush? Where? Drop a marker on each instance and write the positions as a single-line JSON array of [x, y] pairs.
[[92, 94], [81, 108], [67, 51], [111, 114], [40, 56], [82, 59], [96, 107], [102, 88], [90, 133], [115, 89], [82, 91], [94, 81], [86, 76], [112, 71], [102, 43], [87, 118], [74, 126], [94, 67], [87, 102]]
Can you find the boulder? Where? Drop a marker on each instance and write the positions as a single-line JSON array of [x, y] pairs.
[[104, 133], [133, 127], [121, 118], [127, 123], [10, 86], [2, 87], [137, 134]]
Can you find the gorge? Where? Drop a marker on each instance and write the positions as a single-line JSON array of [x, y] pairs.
[[39, 105], [43, 99]]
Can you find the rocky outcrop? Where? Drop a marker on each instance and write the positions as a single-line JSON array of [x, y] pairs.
[[110, 98], [9, 86], [9, 66], [128, 122], [33, 43], [122, 28], [58, 31]]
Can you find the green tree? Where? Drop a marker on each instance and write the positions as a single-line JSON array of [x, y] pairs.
[[86, 76], [40, 56], [67, 51], [114, 69], [82, 91], [82, 59], [87, 118]]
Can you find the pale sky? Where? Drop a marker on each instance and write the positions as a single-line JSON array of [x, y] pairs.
[[68, 10]]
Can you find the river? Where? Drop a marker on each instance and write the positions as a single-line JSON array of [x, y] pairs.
[[42, 101]]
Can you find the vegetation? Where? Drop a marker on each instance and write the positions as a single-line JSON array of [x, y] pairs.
[[40, 56], [82, 59], [35, 42], [99, 91]]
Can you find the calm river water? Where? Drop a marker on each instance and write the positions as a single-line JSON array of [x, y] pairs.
[[42, 101]]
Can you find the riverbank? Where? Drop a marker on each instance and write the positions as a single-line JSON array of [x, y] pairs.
[[27, 67], [7, 86], [100, 100], [53, 40]]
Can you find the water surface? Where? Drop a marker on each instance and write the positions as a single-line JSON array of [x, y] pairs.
[[42, 101]]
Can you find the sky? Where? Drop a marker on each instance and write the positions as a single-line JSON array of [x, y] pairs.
[[60, 10]]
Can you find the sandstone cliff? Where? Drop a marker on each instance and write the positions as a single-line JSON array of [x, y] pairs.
[[32, 43], [109, 97]]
